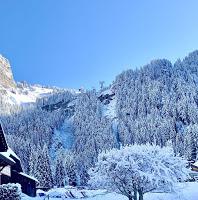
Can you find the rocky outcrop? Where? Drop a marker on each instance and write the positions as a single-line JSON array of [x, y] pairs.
[[6, 76]]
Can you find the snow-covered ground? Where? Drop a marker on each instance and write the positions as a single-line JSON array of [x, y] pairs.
[[27, 95], [109, 109], [184, 191]]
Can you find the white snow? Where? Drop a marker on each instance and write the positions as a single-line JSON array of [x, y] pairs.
[[27, 95], [109, 110], [7, 156], [63, 136], [30, 177], [108, 91], [185, 191], [8, 153], [196, 164]]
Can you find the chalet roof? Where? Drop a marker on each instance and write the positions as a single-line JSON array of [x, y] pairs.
[[6, 153], [9, 156], [29, 177], [5, 157], [3, 143], [9, 151]]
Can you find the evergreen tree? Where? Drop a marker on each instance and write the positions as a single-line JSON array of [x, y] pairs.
[[60, 175], [43, 169]]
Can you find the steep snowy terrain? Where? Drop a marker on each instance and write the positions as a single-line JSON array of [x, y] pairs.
[[108, 100], [21, 93], [26, 95], [6, 76]]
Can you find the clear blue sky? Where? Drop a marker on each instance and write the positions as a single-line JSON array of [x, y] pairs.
[[74, 43]]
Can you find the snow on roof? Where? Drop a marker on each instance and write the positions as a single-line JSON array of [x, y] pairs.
[[8, 153], [40, 191], [195, 164], [12, 153], [30, 177], [108, 91], [7, 156]]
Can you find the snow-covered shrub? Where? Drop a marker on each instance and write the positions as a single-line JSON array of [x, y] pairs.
[[138, 169], [10, 192]]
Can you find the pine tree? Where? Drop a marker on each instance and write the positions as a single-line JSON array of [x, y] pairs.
[[60, 175], [43, 169]]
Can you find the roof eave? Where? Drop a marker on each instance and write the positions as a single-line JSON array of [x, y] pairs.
[[10, 161]]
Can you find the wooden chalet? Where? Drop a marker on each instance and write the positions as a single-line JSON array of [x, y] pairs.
[[11, 170]]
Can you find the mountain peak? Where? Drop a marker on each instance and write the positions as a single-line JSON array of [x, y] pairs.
[[6, 76]]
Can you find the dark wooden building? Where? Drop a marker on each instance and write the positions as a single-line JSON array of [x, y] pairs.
[[11, 170]]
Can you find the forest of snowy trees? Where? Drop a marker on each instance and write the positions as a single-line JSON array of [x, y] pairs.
[[155, 104]]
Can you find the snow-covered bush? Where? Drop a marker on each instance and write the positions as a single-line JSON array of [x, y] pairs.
[[10, 192], [138, 169]]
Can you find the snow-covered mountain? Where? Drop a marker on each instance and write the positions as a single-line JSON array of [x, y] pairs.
[[156, 104], [18, 93], [22, 93], [25, 94]]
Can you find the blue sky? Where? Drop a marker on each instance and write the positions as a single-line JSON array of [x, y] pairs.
[[77, 43]]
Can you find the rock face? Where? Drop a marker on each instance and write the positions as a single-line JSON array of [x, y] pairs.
[[6, 76]]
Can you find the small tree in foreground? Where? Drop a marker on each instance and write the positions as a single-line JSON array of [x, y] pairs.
[[10, 192], [138, 169]]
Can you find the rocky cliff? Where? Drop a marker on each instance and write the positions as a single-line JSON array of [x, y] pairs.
[[6, 76]]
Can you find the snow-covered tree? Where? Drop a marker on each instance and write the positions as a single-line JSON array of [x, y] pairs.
[[10, 191], [70, 168], [43, 169], [60, 175], [138, 169]]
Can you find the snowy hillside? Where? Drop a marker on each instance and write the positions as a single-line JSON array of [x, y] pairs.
[[30, 94], [24, 94]]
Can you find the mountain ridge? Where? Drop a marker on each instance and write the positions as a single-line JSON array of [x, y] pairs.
[[6, 75]]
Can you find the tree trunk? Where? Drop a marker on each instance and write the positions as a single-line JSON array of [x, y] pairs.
[[135, 192], [130, 197], [140, 192]]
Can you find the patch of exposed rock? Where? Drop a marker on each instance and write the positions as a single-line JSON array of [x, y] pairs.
[[6, 76]]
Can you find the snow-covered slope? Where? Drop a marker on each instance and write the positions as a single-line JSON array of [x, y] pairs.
[[24, 95], [27, 95], [62, 138], [108, 100]]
